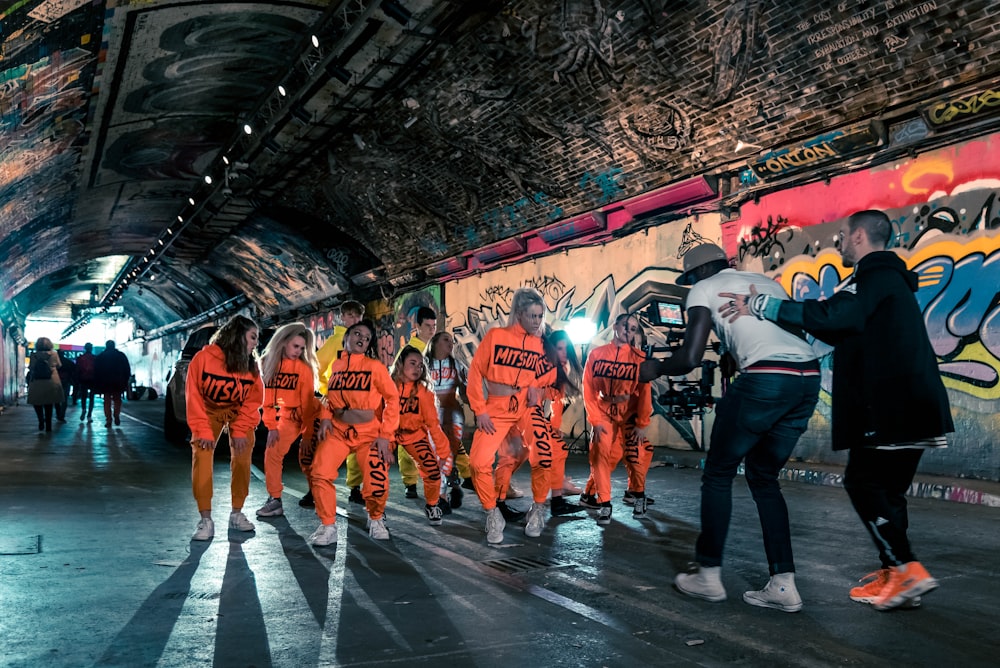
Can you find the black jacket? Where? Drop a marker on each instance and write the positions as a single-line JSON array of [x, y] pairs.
[[886, 384]]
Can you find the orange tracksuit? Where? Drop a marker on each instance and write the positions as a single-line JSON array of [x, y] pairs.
[[534, 429], [418, 419], [217, 399], [610, 382], [508, 356], [288, 399], [360, 383]]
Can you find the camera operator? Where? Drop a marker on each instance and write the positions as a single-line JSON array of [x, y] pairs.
[[759, 419]]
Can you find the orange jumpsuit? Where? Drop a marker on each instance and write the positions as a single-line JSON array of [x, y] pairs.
[[356, 382], [417, 420], [217, 399], [610, 382], [507, 356], [288, 399]]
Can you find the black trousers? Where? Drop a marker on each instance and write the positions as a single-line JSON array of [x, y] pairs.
[[877, 482]]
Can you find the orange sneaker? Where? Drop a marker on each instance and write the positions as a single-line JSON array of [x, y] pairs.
[[905, 583], [871, 586]]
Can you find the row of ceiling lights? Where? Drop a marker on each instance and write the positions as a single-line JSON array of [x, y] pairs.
[[139, 267]]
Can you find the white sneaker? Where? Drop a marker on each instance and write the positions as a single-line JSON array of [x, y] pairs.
[[326, 534], [239, 522], [535, 520], [514, 492], [495, 525], [706, 583], [271, 508], [378, 530], [434, 515], [779, 593], [205, 530]]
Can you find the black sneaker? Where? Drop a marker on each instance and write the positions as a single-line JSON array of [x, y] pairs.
[[307, 501], [589, 501], [411, 491], [444, 506], [629, 499], [455, 497], [355, 496], [118, 420], [509, 514]]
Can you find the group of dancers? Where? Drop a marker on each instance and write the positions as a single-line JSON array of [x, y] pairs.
[[517, 385]]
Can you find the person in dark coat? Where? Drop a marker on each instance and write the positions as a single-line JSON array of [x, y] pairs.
[[889, 403], [113, 375], [44, 389], [67, 377], [86, 378]]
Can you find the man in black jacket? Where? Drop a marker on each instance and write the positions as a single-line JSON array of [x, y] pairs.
[[889, 404]]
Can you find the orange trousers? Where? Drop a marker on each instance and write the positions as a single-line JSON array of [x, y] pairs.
[[507, 414], [423, 455], [546, 454], [331, 453], [203, 464], [310, 436], [619, 441], [274, 456]]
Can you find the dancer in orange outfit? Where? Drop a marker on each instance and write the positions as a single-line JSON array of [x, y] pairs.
[[418, 420], [610, 381], [224, 391], [288, 368], [448, 381], [361, 415], [506, 363]]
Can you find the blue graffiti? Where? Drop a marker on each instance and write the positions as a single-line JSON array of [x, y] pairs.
[[607, 182]]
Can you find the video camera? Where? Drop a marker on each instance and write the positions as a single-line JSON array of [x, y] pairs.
[[683, 398]]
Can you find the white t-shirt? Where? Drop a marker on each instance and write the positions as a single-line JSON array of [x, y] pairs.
[[748, 339]]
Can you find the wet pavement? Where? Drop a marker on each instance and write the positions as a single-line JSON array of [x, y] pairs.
[[97, 569]]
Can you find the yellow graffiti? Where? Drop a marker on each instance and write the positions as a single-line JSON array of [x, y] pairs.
[[924, 167]]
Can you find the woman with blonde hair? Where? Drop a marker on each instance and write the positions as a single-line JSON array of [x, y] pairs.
[[224, 392], [288, 368], [45, 390]]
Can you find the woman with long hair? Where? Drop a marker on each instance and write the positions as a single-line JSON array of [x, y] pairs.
[[419, 432], [360, 415], [288, 368], [45, 390], [224, 392], [448, 381], [506, 366]]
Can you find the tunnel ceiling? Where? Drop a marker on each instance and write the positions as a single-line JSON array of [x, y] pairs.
[[410, 132]]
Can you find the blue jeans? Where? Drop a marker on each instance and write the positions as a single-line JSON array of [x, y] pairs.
[[760, 419]]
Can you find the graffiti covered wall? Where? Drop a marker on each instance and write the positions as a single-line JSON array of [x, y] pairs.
[[944, 208], [597, 282]]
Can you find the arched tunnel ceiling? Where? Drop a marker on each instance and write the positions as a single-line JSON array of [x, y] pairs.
[[417, 130]]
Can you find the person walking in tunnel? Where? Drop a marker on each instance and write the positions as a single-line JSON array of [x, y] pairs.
[[424, 326], [448, 380], [889, 403], [351, 312], [360, 415], [113, 376], [419, 431], [86, 379], [224, 392], [288, 369], [44, 389], [758, 422], [67, 378], [506, 365], [610, 382]]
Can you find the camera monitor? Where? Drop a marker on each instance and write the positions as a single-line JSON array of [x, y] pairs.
[[669, 314]]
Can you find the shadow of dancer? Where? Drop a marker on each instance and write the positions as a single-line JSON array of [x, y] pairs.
[[240, 634], [142, 640]]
